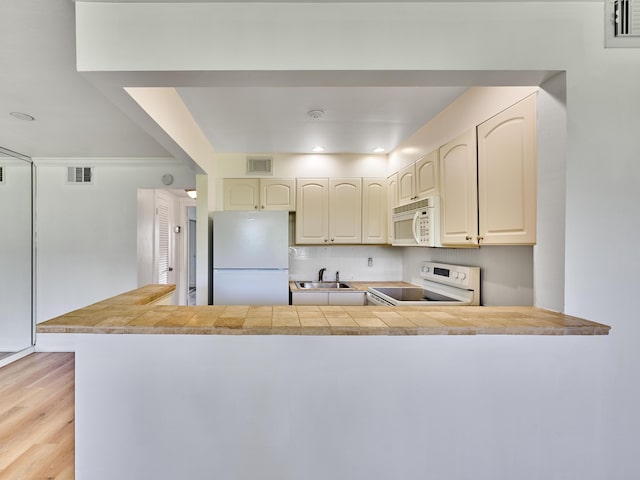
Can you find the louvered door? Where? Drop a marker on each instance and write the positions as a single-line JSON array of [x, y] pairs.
[[163, 254]]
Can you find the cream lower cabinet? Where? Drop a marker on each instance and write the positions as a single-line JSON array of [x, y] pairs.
[[329, 211], [327, 298], [489, 197], [259, 194]]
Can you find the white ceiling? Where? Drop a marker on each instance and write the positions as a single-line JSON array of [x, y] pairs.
[[276, 119], [74, 119]]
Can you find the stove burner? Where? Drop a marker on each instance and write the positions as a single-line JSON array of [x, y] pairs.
[[410, 294]]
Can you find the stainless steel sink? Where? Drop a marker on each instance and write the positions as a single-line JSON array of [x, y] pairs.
[[308, 285]]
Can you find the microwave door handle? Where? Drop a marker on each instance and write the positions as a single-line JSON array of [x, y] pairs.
[[416, 216]]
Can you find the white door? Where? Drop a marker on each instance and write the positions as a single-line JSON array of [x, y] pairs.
[[164, 254]]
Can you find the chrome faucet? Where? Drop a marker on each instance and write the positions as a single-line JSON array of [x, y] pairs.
[[321, 274], [338, 277]]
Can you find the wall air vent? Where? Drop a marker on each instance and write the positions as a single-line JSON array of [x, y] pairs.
[[1, 174], [259, 165], [622, 23], [79, 174]]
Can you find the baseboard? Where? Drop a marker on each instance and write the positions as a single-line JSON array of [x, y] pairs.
[[55, 342]]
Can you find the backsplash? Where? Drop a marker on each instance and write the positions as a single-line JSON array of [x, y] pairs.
[[351, 261], [506, 272]]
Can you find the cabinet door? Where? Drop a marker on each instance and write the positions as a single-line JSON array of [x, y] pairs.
[[277, 194], [406, 184], [346, 298], [507, 176], [427, 175], [392, 201], [345, 210], [458, 191], [241, 193], [312, 213], [309, 298], [374, 210]]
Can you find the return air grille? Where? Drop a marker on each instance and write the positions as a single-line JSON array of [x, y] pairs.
[[626, 18], [79, 175], [622, 23], [259, 165]]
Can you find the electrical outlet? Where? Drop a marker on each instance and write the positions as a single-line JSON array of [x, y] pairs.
[[370, 261]]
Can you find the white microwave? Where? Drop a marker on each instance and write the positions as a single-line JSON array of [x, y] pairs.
[[417, 224]]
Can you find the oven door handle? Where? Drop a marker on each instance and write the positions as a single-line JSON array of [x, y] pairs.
[[414, 228]]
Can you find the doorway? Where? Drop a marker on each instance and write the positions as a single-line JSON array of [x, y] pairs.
[[191, 255], [17, 176], [163, 241]]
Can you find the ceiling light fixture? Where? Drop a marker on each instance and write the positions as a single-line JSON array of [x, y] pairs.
[[315, 113], [192, 193], [318, 149], [22, 116], [378, 150]]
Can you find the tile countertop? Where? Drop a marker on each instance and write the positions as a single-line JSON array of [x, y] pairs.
[[132, 313]]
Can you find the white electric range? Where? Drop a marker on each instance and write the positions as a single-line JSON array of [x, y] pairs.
[[441, 284]]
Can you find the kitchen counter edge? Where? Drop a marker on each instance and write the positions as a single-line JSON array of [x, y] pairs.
[[134, 312]]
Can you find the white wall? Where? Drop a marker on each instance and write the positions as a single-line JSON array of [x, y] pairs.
[[87, 234], [393, 38]]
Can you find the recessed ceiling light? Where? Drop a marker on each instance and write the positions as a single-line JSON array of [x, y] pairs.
[[378, 150], [22, 116], [318, 149]]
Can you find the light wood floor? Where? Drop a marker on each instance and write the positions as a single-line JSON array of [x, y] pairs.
[[37, 417]]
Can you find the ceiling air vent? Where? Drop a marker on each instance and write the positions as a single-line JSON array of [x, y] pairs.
[[79, 174], [1, 174], [622, 23], [259, 165]]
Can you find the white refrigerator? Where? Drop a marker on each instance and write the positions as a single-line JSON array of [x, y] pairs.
[[251, 258]]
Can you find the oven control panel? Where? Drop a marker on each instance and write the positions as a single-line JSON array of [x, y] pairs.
[[456, 275]]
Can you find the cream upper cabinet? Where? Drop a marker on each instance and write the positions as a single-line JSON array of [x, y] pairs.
[[241, 193], [345, 210], [259, 194], [374, 210], [330, 211], [426, 175], [392, 201], [488, 181], [418, 180], [507, 176], [406, 184], [459, 191], [278, 194], [312, 213]]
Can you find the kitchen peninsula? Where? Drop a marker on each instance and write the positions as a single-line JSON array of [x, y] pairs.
[[290, 392], [136, 312]]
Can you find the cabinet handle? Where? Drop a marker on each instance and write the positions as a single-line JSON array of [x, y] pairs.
[[255, 207], [332, 239], [468, 237], [262, 207], [325, 240], [480, 239]]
